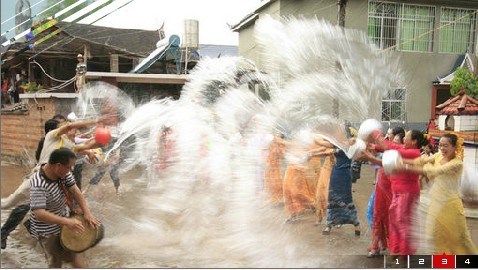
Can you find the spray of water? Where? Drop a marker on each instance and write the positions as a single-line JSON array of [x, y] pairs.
[[203, 154]]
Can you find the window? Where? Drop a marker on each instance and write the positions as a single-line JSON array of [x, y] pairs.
[[457, 30], [394, 106], [405, 27], [382, 23], [416, 29]]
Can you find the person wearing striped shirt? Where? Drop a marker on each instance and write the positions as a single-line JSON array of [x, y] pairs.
[[62, 136], [49, 208]]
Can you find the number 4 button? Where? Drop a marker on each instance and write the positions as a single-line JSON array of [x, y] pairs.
[[466, 261]]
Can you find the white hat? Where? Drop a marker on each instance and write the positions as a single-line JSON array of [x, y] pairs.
[[79, 55]]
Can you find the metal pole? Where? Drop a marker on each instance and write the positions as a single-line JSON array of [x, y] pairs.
[[341, 22], [341, 14]]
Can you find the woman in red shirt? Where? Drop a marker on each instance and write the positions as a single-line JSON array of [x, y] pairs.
[[382, 201], [405, 191]]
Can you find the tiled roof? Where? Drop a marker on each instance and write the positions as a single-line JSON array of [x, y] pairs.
[[459, 105], [132, 41], [137, 41]]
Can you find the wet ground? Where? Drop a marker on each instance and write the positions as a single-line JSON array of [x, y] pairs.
[[340, 249]]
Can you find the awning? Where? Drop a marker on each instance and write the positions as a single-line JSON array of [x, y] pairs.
[[460, 62]]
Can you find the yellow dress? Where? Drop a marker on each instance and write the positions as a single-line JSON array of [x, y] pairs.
[[446, 222]]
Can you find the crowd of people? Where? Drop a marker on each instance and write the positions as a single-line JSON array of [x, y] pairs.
[[51, 192], [323, 184], [12, 86], [320, 184]]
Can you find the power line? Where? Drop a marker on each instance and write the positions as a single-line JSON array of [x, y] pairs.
[[42, 69]]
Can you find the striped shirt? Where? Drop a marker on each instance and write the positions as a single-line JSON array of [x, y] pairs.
[[47, 194]]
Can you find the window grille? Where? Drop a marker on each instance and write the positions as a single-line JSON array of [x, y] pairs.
[[394, 107], [457, 30], [402, 26]]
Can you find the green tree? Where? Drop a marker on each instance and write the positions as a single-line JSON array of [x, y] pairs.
[[464, 79]]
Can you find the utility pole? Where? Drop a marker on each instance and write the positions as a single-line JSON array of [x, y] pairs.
[[341, 22], [341, 14]]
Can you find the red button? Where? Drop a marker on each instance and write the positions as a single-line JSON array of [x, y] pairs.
[[443, 261]]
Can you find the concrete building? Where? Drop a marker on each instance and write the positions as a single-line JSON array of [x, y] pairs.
[[428, 36]]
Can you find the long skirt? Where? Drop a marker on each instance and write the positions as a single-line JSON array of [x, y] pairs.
[[401, 214], [273, 183], [341, 208], [446, 226], [297, 193], [370, 209], [383, 199], [322, 193]]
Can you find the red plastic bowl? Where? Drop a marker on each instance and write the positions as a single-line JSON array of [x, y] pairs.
[[102, 135]]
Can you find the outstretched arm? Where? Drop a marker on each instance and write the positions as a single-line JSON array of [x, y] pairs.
[[323, 142], [321, 151], [366, 155], [78, 124]]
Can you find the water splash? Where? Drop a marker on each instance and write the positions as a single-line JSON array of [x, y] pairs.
[[203, 155]]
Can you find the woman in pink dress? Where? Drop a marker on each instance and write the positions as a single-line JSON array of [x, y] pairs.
[[405, 190], [383, 199]]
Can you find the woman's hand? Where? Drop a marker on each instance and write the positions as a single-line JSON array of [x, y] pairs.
[[364, 155]]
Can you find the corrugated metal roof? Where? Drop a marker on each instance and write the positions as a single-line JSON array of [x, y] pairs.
[[214, 51]]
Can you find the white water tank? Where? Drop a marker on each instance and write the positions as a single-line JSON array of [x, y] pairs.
[[191, 34]]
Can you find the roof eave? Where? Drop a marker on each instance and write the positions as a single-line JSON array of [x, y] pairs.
[[248, 20]]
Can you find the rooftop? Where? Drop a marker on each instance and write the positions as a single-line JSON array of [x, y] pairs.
[[459, 105]]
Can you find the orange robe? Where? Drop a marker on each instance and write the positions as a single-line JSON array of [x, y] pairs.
[[312, 175], [296, 190], [299, 187], [273, 173], [322, 191]]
